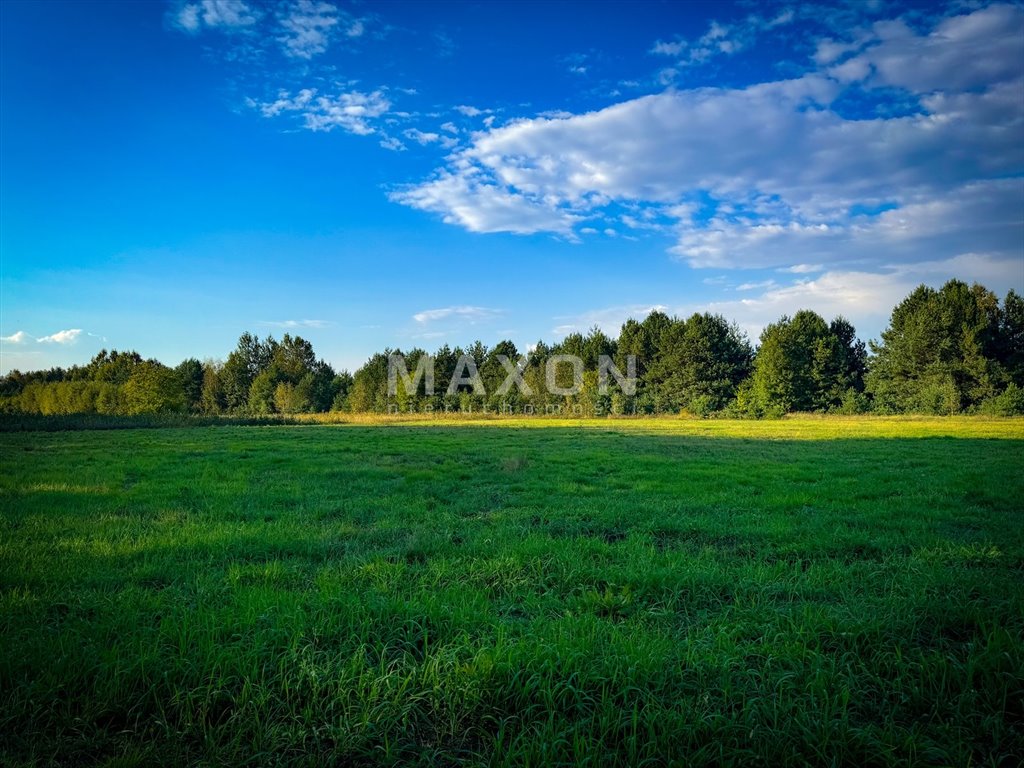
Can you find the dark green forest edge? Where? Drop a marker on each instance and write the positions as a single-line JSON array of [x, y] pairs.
[[947, 351]]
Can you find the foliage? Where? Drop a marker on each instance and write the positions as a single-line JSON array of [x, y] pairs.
[[805, 364], [944, 351], [955, 350], [153, 388]]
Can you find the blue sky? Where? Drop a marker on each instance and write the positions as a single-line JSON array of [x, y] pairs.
[[406, 174]]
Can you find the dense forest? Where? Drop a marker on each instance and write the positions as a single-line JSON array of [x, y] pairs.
[[952, 350]]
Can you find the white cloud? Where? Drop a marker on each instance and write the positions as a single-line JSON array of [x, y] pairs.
[[802, 269], [608, 319], [307, 28], [775, 174], [421, 137], [670, 48], [352, 111], [577, 63], [428, 335], [830, 50], [480, 205], [62, 337], [718, 40], [188, 18], [467, 313], [983, 215], [963, 52], [470, 111], [866, 298], [393, 144], [223, 14], [296, 323], [18, 337]]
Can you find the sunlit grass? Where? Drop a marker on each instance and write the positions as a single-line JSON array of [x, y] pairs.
[[520, 592]]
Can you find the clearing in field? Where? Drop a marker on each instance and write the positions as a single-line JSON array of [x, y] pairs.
[[515, 593]]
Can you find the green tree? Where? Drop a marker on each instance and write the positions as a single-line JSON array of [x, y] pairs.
[[341, 386], [113, 367], [153, 388], [802, 365], [940, 352], [1011, 337], [249, 358], [213, 399], [370, 385], [700, 364], [190, 374]]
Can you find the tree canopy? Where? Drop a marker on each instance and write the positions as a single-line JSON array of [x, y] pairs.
[[948, 350]]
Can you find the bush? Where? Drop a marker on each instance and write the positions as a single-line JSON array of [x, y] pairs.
[[703, 406], [1010, 402], [853, 402]]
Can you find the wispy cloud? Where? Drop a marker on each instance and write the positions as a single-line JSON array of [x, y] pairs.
[[445, 45], [216, 14], [577, 63], [755, 286], [308, 27], [353, 111], [466, 313], [478, 204], [18, 337], [470, 111], [421, 137], [608, 319], [61, 337], [719, 40], [866, 297], [801, 269], [287, 324]]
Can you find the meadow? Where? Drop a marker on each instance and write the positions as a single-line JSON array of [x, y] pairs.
[[822, 591]]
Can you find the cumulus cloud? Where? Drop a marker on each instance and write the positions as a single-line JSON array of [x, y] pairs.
[[961, 53], [352, 112], [18, 337], [777, 174], [866, 298], [62, 337], [478, 204], [216, 14], [466, 313], [308, 27], [983, 215], [421, 137]]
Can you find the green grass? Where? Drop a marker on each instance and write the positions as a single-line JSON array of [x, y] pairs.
[[817, 590]]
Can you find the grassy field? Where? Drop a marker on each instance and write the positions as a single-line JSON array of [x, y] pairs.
[[825, 591]]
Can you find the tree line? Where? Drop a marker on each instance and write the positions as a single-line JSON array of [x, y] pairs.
[[952, 350]]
